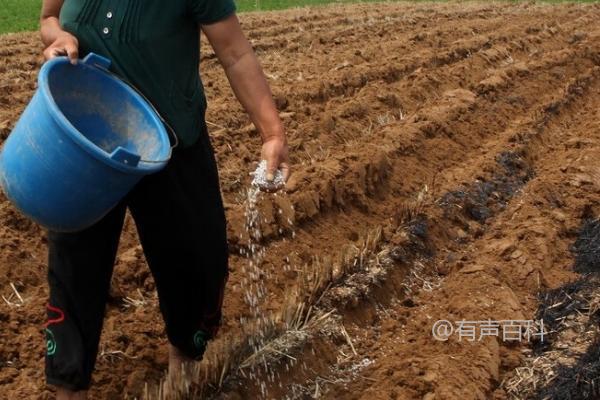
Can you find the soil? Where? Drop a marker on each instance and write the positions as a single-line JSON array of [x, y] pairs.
[[444, 158]]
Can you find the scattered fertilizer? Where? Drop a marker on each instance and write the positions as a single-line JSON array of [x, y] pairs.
[[254, 276], [252, 282]]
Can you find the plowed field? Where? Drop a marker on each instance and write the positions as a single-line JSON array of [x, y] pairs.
[[444, 158]]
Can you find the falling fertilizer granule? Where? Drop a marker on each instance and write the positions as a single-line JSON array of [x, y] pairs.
[[253, 275], [254, 285]]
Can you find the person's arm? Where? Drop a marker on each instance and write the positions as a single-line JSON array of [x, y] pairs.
[[57, 41], [251, 88]]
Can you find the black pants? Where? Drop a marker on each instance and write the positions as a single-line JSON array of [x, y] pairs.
[[181, 223]]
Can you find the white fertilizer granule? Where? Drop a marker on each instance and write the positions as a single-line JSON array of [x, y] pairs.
[[260, 178]]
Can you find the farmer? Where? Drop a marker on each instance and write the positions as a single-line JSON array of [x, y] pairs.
[[154, 45]]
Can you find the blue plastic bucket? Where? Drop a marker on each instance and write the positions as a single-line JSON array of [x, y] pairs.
[[85, 139]]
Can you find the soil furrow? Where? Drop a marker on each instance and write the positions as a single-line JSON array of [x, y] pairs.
[[364, 310]]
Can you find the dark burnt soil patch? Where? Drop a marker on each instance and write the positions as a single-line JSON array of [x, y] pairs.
[[587, 247], [562, 309], [577, 382], [486, 197], [412, 242], [558, 304]]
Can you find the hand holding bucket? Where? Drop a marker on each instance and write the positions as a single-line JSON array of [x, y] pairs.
[[85, 139]]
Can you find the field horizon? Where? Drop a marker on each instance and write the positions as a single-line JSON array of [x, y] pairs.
[[23, 15]]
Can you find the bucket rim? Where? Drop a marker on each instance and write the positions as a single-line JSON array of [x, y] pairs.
[[144, 167]]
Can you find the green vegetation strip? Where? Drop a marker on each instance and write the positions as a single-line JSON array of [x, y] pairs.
[[23, 15], [19, 15]]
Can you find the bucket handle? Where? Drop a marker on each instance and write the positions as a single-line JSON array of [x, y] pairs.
[[103, 63]]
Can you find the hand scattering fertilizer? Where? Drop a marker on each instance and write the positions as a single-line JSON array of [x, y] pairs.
[[85, 139], [254, 275], [260, 178]]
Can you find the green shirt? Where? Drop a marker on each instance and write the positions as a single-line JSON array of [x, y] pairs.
[[153, 44]]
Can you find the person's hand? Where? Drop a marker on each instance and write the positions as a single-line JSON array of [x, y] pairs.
[[275, 152], [64, 45]]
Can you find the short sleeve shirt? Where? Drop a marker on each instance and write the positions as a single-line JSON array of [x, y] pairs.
[[154, 45]]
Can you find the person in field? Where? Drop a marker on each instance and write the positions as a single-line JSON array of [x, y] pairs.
[[155, 46]]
